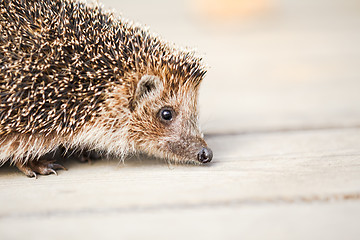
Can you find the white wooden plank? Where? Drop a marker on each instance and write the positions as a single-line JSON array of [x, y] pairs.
[[330, 221], [252, 167]]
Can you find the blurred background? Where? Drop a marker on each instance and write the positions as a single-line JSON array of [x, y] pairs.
[[273, 64]]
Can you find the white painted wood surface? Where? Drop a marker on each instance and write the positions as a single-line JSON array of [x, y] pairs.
[[271, 177], [280, 107]]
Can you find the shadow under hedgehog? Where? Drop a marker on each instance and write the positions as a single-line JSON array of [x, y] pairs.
[[74, 76]]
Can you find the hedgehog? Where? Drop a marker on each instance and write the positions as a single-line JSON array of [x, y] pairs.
[[75, 76]]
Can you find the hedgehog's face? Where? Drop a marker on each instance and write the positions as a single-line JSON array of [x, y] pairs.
[[164, 123]]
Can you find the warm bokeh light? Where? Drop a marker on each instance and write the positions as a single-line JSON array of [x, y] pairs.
[[225, 10]]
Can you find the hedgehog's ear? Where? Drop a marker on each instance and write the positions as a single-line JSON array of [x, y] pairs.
[[147, 86]]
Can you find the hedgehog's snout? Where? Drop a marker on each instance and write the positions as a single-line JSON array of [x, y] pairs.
[[205, 155]]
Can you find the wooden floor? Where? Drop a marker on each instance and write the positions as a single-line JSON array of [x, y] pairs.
[[280, 108]]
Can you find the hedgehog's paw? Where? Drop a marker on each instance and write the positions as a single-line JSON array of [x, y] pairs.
[[43, 167], [26, 170]]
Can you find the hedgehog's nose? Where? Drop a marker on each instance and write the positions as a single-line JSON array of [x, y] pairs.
[[205, 155]]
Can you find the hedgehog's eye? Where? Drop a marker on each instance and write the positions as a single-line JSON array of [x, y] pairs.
[[166, 114]]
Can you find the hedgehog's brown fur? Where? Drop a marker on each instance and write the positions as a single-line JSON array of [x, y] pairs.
[[69, 75]]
